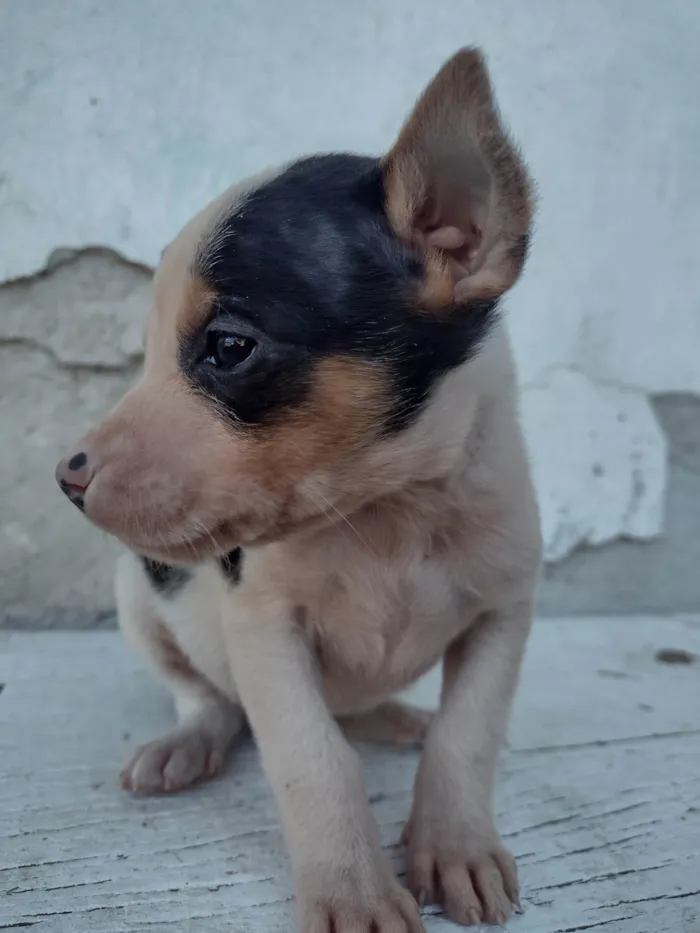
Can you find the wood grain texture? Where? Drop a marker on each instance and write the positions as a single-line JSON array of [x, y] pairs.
[[599, 794]]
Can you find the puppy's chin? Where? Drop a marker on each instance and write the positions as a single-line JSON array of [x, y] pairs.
[[183, 548], [187, 553], [224, 537], [218, 541], [184, 552]]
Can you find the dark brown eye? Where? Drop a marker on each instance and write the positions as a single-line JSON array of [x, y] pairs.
[[227, 351]]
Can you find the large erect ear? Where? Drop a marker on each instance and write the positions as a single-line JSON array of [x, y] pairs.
[[457, 189]]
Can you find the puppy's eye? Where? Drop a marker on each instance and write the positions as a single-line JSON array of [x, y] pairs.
[[227, 351]]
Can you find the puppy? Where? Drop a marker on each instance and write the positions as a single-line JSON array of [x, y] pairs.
[[322, 483]]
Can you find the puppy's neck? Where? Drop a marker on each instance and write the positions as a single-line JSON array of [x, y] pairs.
[[465, 443], [448, 438]]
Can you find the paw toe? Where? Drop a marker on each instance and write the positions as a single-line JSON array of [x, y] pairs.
[[421, 878], [478, 887], [186, 764], [462, 904], [490, 885], [171, 764]]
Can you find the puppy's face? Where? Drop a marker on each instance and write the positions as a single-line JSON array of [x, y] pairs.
[[301, 323]]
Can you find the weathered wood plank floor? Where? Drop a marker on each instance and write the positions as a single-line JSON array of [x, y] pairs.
[[599, 795]]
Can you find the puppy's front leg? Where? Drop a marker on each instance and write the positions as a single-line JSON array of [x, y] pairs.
[[454, 851], [343, 882]]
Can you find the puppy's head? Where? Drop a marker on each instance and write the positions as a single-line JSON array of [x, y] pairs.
[[301, 327]]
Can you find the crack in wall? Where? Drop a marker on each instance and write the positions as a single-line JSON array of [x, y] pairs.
[[30, 343]]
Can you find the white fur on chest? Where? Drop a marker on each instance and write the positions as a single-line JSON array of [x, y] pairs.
[[376, 627], [194, 616]]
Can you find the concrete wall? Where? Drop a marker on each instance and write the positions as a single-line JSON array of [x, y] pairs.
[[120, 120]]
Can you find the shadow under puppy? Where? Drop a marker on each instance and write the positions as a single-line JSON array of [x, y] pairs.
[[321, 479]]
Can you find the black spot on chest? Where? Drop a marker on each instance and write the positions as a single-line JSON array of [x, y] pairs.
[[166, 579], [231, 565]]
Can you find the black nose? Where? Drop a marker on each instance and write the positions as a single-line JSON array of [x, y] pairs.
[[73, 476], [77, 461]]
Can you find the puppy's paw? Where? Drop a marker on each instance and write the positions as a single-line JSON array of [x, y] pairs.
[[474, 877], [346, 908], [172, 763]]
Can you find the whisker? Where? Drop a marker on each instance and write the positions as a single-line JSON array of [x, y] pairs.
[[343, 519]]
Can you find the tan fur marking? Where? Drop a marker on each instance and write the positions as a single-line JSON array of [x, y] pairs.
[[344, 413], [437, 291], [348, 400], [174, 661], [183, 300], [197, 307]]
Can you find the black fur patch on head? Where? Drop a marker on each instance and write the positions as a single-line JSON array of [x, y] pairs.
[[166, 579], [307, 266], [231, 565]]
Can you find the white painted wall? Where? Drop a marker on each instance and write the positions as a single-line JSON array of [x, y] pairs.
[[119, 120]]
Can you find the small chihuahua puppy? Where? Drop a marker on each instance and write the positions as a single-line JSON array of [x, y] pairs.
[[322, 483]]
